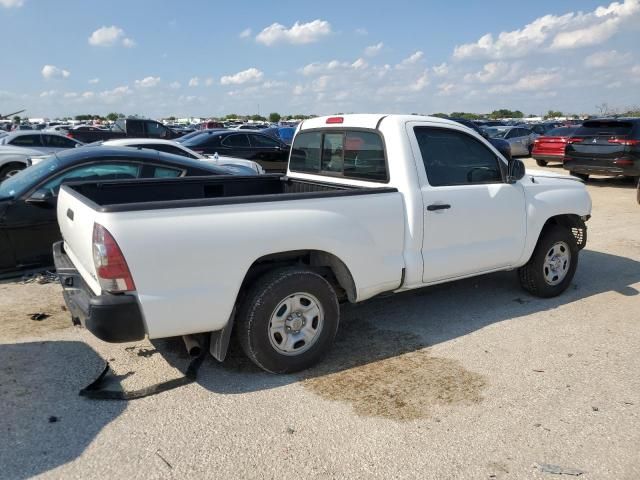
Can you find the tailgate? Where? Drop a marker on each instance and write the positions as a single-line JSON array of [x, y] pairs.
[[76, 219]]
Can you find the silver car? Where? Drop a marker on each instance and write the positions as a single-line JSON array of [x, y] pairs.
[[45, 142], [520, 139]]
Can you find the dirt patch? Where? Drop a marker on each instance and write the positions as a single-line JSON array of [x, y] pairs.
[[31, 310], [389, 374]]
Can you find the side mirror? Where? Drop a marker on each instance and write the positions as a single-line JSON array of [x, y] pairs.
[[42, 198], [515, 170]]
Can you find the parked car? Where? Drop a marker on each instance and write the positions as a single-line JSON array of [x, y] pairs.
[[501, 145], [605, 147], [370, 204], [14, 159], [175, 148], [44, 142], [124, 127], [520, 139], [63, 129], [284, 134], [28, 199], [269, 152], [550, 147]]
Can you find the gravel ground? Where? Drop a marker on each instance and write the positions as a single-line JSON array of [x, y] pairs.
[[474, 379]]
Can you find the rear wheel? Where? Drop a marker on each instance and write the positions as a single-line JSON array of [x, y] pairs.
[[288, 320], [11, 169], [550, 269], [541, 163], [582, 176]]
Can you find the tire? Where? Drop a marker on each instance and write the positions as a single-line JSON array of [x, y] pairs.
[[541, 163], [275, 307], [582, 176], [537, 276], [11, 169]]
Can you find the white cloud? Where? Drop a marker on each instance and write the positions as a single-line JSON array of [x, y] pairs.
[[607, 59], [553, 32], [248, 75], [534, 82], [359, 64], [209, 81], [441, 70], [194, 82], [175, 85], [421, 83], [48, 93], [11, 3], [51, 71], [115, 95], [299, 33], [147, 82], [491, 72], [246, 33], [411, 59], [109, 37], [361, 31], [373, 50], [93, 81]]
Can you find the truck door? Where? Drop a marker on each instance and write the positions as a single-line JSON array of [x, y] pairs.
[[473, 220]]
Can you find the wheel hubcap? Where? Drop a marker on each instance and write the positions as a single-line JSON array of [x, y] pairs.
[[295, 324], [557, 263]]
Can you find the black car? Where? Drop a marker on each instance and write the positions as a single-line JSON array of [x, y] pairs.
[[604, 147], [501, 145], [28, 224], [271, 153]]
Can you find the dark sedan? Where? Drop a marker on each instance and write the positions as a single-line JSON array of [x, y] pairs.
[[604, 147], [28, 224], [501, 145], [271, 153]]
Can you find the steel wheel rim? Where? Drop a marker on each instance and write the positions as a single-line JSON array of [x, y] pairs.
[[557, 262], [296, 324]]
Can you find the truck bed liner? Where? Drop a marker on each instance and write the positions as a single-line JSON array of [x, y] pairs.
[[151, 194]]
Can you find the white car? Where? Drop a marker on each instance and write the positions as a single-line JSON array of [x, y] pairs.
[[14, 159], [370, 204], [45, 142], [171, 146]]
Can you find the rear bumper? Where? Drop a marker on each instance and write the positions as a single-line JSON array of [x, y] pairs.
[[600, 168], [112, 318], [547, 157]]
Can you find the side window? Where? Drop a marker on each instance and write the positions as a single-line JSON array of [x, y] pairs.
[[262, 141], [156, 130], [239, 140], [56, 141], [94, 172], [454, 158], [135, 128], [165, 172], [350, 153], [26, 141]]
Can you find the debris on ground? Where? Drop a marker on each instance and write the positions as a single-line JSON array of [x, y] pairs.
[[40, 277], [558, 470], [39, 316]]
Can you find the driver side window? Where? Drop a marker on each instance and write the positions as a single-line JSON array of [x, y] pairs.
[[454, 158], [93, 172]]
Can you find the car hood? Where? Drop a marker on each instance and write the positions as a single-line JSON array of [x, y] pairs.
[[546, 174]]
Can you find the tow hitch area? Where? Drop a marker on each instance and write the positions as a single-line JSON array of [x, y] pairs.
[[103, 387]]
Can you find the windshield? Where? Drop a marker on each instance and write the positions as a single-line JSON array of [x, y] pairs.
[[25, 179], [496, 133]]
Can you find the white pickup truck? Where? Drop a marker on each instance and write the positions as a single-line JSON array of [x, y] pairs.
[[369, 204]]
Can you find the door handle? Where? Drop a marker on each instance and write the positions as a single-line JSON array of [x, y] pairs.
[[438, 206]]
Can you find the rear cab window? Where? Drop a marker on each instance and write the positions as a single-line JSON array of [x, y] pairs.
[[355, 154], [600, 128]]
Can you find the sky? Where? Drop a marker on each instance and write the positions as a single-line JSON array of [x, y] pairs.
[[203, 58]]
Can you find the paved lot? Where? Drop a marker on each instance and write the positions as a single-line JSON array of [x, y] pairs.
[[474, 379]]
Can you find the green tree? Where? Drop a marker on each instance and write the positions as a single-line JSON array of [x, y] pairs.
[[258, 118], [553, 114], [441, 115], [16, 119], [113, 116], [274, 117]]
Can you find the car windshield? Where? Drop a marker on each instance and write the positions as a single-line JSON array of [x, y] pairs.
[[25, 179], [497, 133], [561, 132]]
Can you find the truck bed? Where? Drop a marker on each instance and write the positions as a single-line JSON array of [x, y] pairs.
[[150, 194]]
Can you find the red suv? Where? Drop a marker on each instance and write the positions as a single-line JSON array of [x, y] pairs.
[[550, 147]]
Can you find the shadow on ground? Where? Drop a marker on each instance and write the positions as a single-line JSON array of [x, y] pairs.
[[43, 421], [388, 334]]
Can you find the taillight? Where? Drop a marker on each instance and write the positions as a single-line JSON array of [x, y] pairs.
[[624, 141], [335, 119], [69, 135], [574, 140], [536, 141], [111, 267]]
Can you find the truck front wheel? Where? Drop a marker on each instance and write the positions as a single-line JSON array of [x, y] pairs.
[[550, 269], [288, 320]]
